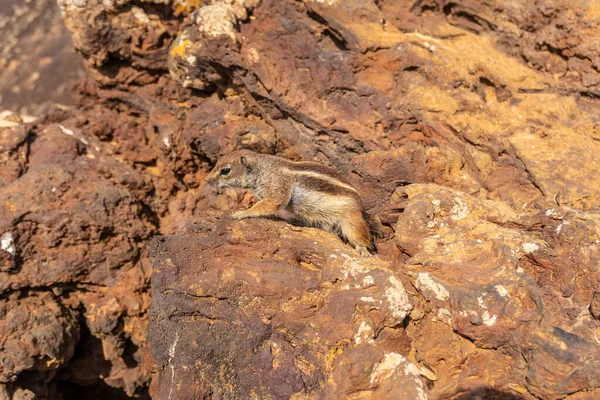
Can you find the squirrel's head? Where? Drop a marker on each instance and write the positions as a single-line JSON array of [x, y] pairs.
[[233, 170]]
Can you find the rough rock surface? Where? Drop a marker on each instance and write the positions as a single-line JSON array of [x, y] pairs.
[[299, 308], [37, 61], [73, 224], [471, 128]]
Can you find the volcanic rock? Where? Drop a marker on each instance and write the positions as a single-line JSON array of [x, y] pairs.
[[300, 308], [471, 129]]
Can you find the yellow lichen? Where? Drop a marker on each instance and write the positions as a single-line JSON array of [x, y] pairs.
[[185, 7], [179, 48]]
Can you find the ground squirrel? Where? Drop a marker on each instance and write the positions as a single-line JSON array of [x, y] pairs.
[[305, 193]]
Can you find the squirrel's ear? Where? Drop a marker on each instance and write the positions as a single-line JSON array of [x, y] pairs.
[[247, 161]]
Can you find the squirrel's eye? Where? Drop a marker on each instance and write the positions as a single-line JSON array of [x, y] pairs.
[[225, 171]]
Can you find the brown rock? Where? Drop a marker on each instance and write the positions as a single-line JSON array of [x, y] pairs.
[[551, 35], [561, 363], [124, 43], [470, 128], [465, 256], [13, 147], [52, 207], [294, 318], [39, 334], [70, 224]]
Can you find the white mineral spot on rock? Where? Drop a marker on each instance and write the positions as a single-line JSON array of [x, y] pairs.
[[388, 365], [487, 319], [66, 131], [171, 356], [364, 333], [368, 280], [328, 2], [191, 60], [217, 19], [549, 212], [530, 247], [459, 210], [28, 118], [403, 46], [253, 56], [558, 229], [397, 297], [140, 15], [412, 371], [67, 5], [481, 303], [444, 316], [351, 267], [9, 119], [501, 290], [6, 243], [367, 299], [166, 142], [424, 280], [8, 124], [431, 224]]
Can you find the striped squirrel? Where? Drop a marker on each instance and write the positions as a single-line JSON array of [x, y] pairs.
[[305, 193]]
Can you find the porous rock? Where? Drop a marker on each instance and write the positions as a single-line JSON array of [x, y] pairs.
[[71, 223], [470, 128]]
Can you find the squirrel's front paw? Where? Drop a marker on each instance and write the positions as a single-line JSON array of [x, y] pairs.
[[362, 251], [239, 215]]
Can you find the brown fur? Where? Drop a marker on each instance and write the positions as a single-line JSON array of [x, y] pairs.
[[306, 193]]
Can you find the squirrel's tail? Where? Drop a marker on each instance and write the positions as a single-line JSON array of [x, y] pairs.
[[375, 229]]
